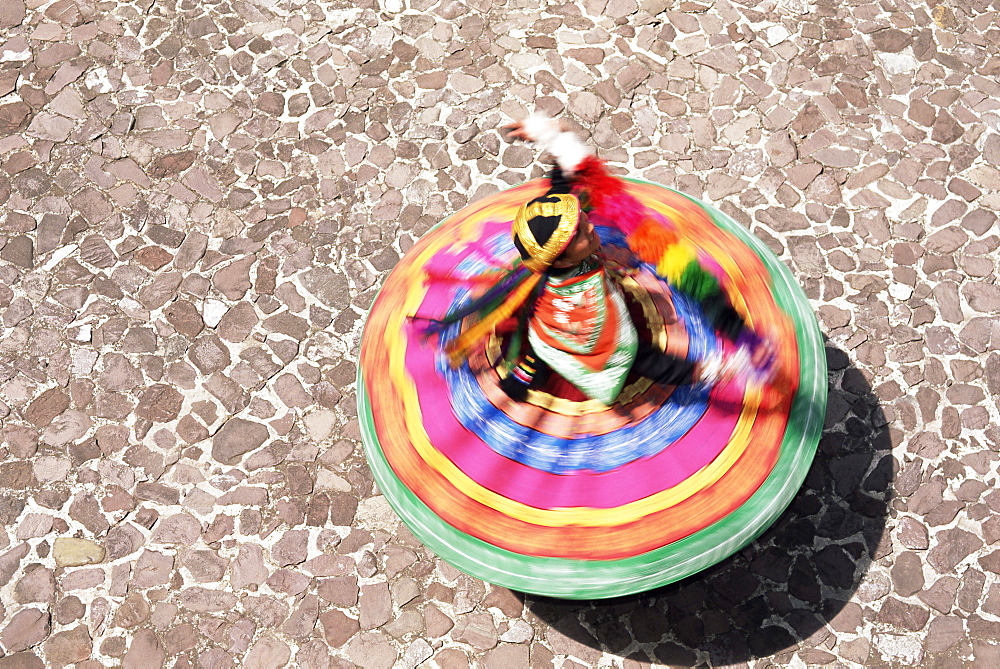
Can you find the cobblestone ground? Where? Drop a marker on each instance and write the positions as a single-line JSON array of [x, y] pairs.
[[200, 198]]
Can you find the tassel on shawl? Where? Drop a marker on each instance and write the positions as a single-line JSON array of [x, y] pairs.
[[673, 260]]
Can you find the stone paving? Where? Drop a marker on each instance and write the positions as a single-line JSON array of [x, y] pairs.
[[200, 199]]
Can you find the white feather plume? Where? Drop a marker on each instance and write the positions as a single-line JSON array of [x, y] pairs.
[[564, 146]]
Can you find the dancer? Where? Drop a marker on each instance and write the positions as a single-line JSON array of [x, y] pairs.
[[588, 490]]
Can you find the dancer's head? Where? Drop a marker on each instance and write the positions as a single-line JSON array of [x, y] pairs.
[[552, 231]]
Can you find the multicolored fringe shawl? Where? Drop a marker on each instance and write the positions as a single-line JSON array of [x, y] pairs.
[[491, 308]]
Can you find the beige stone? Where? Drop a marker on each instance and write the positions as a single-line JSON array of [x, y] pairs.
[[73, 552]]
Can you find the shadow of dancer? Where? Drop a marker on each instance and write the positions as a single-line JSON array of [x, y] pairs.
[[778, 594]]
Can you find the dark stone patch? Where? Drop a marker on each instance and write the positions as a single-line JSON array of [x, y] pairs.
[[891, 40], [951, 547], [171, 163], [903, 615], [835, 567], [239, 436], [160, 403], [907, 574], [21, 251], [14, 117]]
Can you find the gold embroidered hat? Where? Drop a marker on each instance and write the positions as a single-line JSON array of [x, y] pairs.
[[544, 227]]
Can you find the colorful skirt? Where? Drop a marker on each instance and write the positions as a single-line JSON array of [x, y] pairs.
[[575, 499]]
